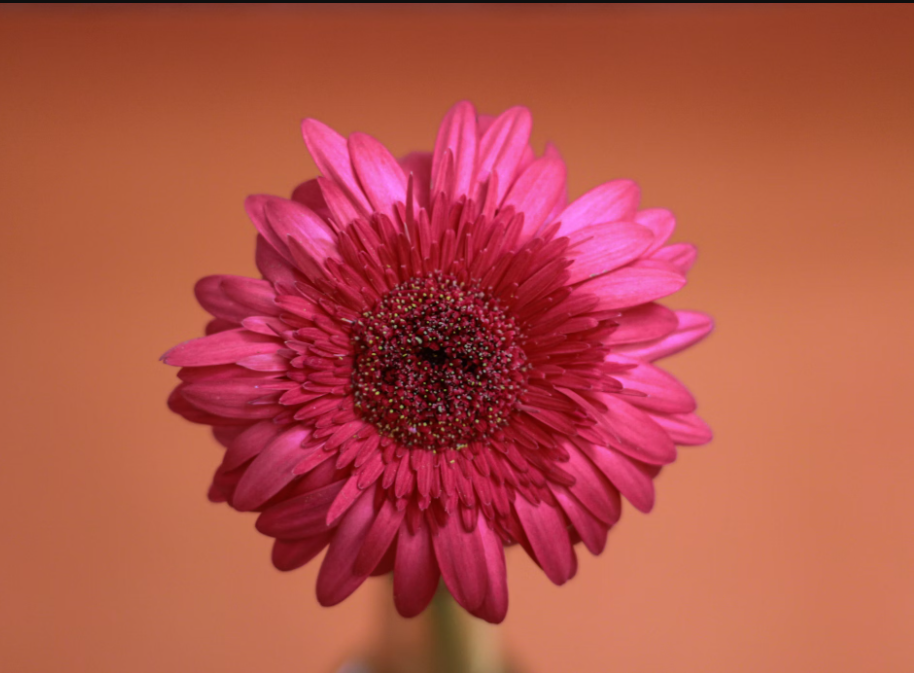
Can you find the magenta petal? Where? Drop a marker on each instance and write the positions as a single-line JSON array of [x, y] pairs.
[[230, 398], [610, 202], [288, 219], [548, 535], [536, 192], [273, 266], [419, 166], [592, 531], [250, 443], [341, 208], [629, 476], [686, 429], [337, 578], [208, 291], [331, 154], [692, 328], [457, 133], [664, 392], [591, 487], [461, 558], [495, 606], [292, 554], [415, 571], [643, 323], [605, 247], [271, 470], [382, 533], [640, 436], [381, 177], [661, 223], [309, 194], [635, 284], [301, 516], [680, 255], [501, 149], [220, 349]]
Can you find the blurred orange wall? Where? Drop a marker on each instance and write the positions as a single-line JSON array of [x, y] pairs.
[[783, 138]]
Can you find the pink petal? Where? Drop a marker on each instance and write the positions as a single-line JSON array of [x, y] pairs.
[[208, 291], [629, 476], [643, 323], [548, 535], [661, 223], [686, 429], [664, 392], [299, 517], [495, 605], [338, 578], [640, 436], [331, 154], [382, 533], [419, 165], [501, 149], [415, 571], [271, 470], [231, 398], [692, 328], [381, 177], [610, 202], [536, 192], [288, 219], [606, 247], [457, 134], [309, 194], [250, 443], [635, 284], [461, 558], [591, 488], [680, 255], [273, 266], [592, 531], [292, 554], [258, 294], [220, 349], [341, 209]]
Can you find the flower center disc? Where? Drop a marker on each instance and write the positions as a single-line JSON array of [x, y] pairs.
[[437, 363]]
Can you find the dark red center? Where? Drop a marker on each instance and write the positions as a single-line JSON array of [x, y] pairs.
[[437, 363]]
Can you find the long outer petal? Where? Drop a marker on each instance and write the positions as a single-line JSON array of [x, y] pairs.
[[416, 571], [629, 477], [250, 443], [292, 554], [685, 429], [641, 437], [338, 578], [495, 606], [331, 154], [592, 531], [643, 323], [635, 284], [381, 177], [461, 558], [536, 192], [382, 533], [300, 516], [664, 392], [661, 223], [271, 470], [457, 133], [606, 247], [548, 535], [221, 348], [288, 219], [501, 149], [692, 328], [609, 202]]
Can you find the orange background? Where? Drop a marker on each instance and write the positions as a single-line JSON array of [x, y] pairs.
[[783, 138]]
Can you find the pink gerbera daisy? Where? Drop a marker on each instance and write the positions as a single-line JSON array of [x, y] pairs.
[[443, 358]]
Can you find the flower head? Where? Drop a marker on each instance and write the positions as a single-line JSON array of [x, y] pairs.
[[443, 358]]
